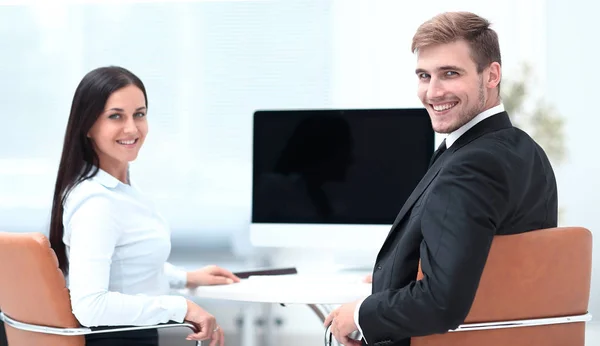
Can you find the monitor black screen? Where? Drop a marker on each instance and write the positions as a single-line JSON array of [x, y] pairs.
[[337, 166]]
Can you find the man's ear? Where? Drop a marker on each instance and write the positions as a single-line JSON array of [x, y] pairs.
[[494, 75]]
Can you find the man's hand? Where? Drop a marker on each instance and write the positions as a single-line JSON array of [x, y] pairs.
[[205, 323], [210, 275], [342, 324]]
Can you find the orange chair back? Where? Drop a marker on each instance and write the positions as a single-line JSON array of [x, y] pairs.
[[539, 274], [33, 290]]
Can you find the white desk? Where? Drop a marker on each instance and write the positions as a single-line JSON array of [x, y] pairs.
[[316, 291], [290, 289]]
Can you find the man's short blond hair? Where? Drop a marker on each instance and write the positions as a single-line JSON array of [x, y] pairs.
[[449, 27]]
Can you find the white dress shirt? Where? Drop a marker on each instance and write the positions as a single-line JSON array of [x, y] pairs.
[[117, 246], [450, 139]]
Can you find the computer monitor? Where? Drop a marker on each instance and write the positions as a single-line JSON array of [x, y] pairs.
[[334, 178]]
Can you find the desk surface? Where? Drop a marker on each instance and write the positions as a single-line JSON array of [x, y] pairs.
[[290, 289]]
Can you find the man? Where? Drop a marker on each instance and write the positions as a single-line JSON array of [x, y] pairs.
[[488, 178]]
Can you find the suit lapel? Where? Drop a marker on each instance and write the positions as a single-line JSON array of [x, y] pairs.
[[493, 123], [418, 191]]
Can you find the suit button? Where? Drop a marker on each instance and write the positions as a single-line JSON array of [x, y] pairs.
[[379, 267]]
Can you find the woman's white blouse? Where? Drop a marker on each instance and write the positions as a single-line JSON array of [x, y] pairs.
[[118, 245]]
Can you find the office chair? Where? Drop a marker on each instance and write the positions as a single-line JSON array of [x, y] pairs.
[[534, 290], [34, 301]]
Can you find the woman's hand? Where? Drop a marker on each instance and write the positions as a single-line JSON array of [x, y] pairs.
[[210, 275], [205, 323]]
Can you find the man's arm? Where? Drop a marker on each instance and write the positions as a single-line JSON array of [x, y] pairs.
[[356, 315], [458, 223]]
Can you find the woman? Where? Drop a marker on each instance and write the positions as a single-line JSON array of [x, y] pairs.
[[108, 238]]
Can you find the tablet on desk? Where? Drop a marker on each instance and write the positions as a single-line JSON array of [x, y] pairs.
[[266, 272]]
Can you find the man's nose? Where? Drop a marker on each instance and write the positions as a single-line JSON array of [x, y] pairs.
[[435, 90]]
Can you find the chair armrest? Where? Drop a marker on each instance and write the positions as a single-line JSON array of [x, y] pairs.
[[84, 330], [501, 324], [128, 329], [523, 323]]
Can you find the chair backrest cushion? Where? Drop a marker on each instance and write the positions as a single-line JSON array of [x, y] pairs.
[[33, 289], [537, 274]]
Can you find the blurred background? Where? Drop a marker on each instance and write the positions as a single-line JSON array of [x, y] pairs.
[[209, 65]]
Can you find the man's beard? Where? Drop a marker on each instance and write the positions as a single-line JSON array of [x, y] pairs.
[[471, 113]]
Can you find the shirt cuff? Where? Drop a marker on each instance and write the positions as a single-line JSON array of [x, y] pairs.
[[356, 310], [176, 306], [177, 277]]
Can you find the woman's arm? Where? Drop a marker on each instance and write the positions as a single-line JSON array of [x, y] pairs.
[[177, 277], [94, 232]]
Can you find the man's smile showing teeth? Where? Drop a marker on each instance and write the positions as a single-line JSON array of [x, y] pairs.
[[444, 106], [127, 142]]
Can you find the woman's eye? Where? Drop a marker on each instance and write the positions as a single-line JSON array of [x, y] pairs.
[[139, 115], [114, 116]]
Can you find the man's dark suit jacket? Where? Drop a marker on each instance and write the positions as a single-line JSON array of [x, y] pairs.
[[493, 180]]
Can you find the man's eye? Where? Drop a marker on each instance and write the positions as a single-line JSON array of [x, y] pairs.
[[451, 73], [423, 76]]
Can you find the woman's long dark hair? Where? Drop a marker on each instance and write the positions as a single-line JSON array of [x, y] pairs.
[[79, 161]]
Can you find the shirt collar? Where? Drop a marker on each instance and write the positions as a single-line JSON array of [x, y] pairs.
[[453, 136], [106, 179]]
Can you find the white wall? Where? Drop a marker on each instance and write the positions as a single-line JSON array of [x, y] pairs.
[[572, 84]]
